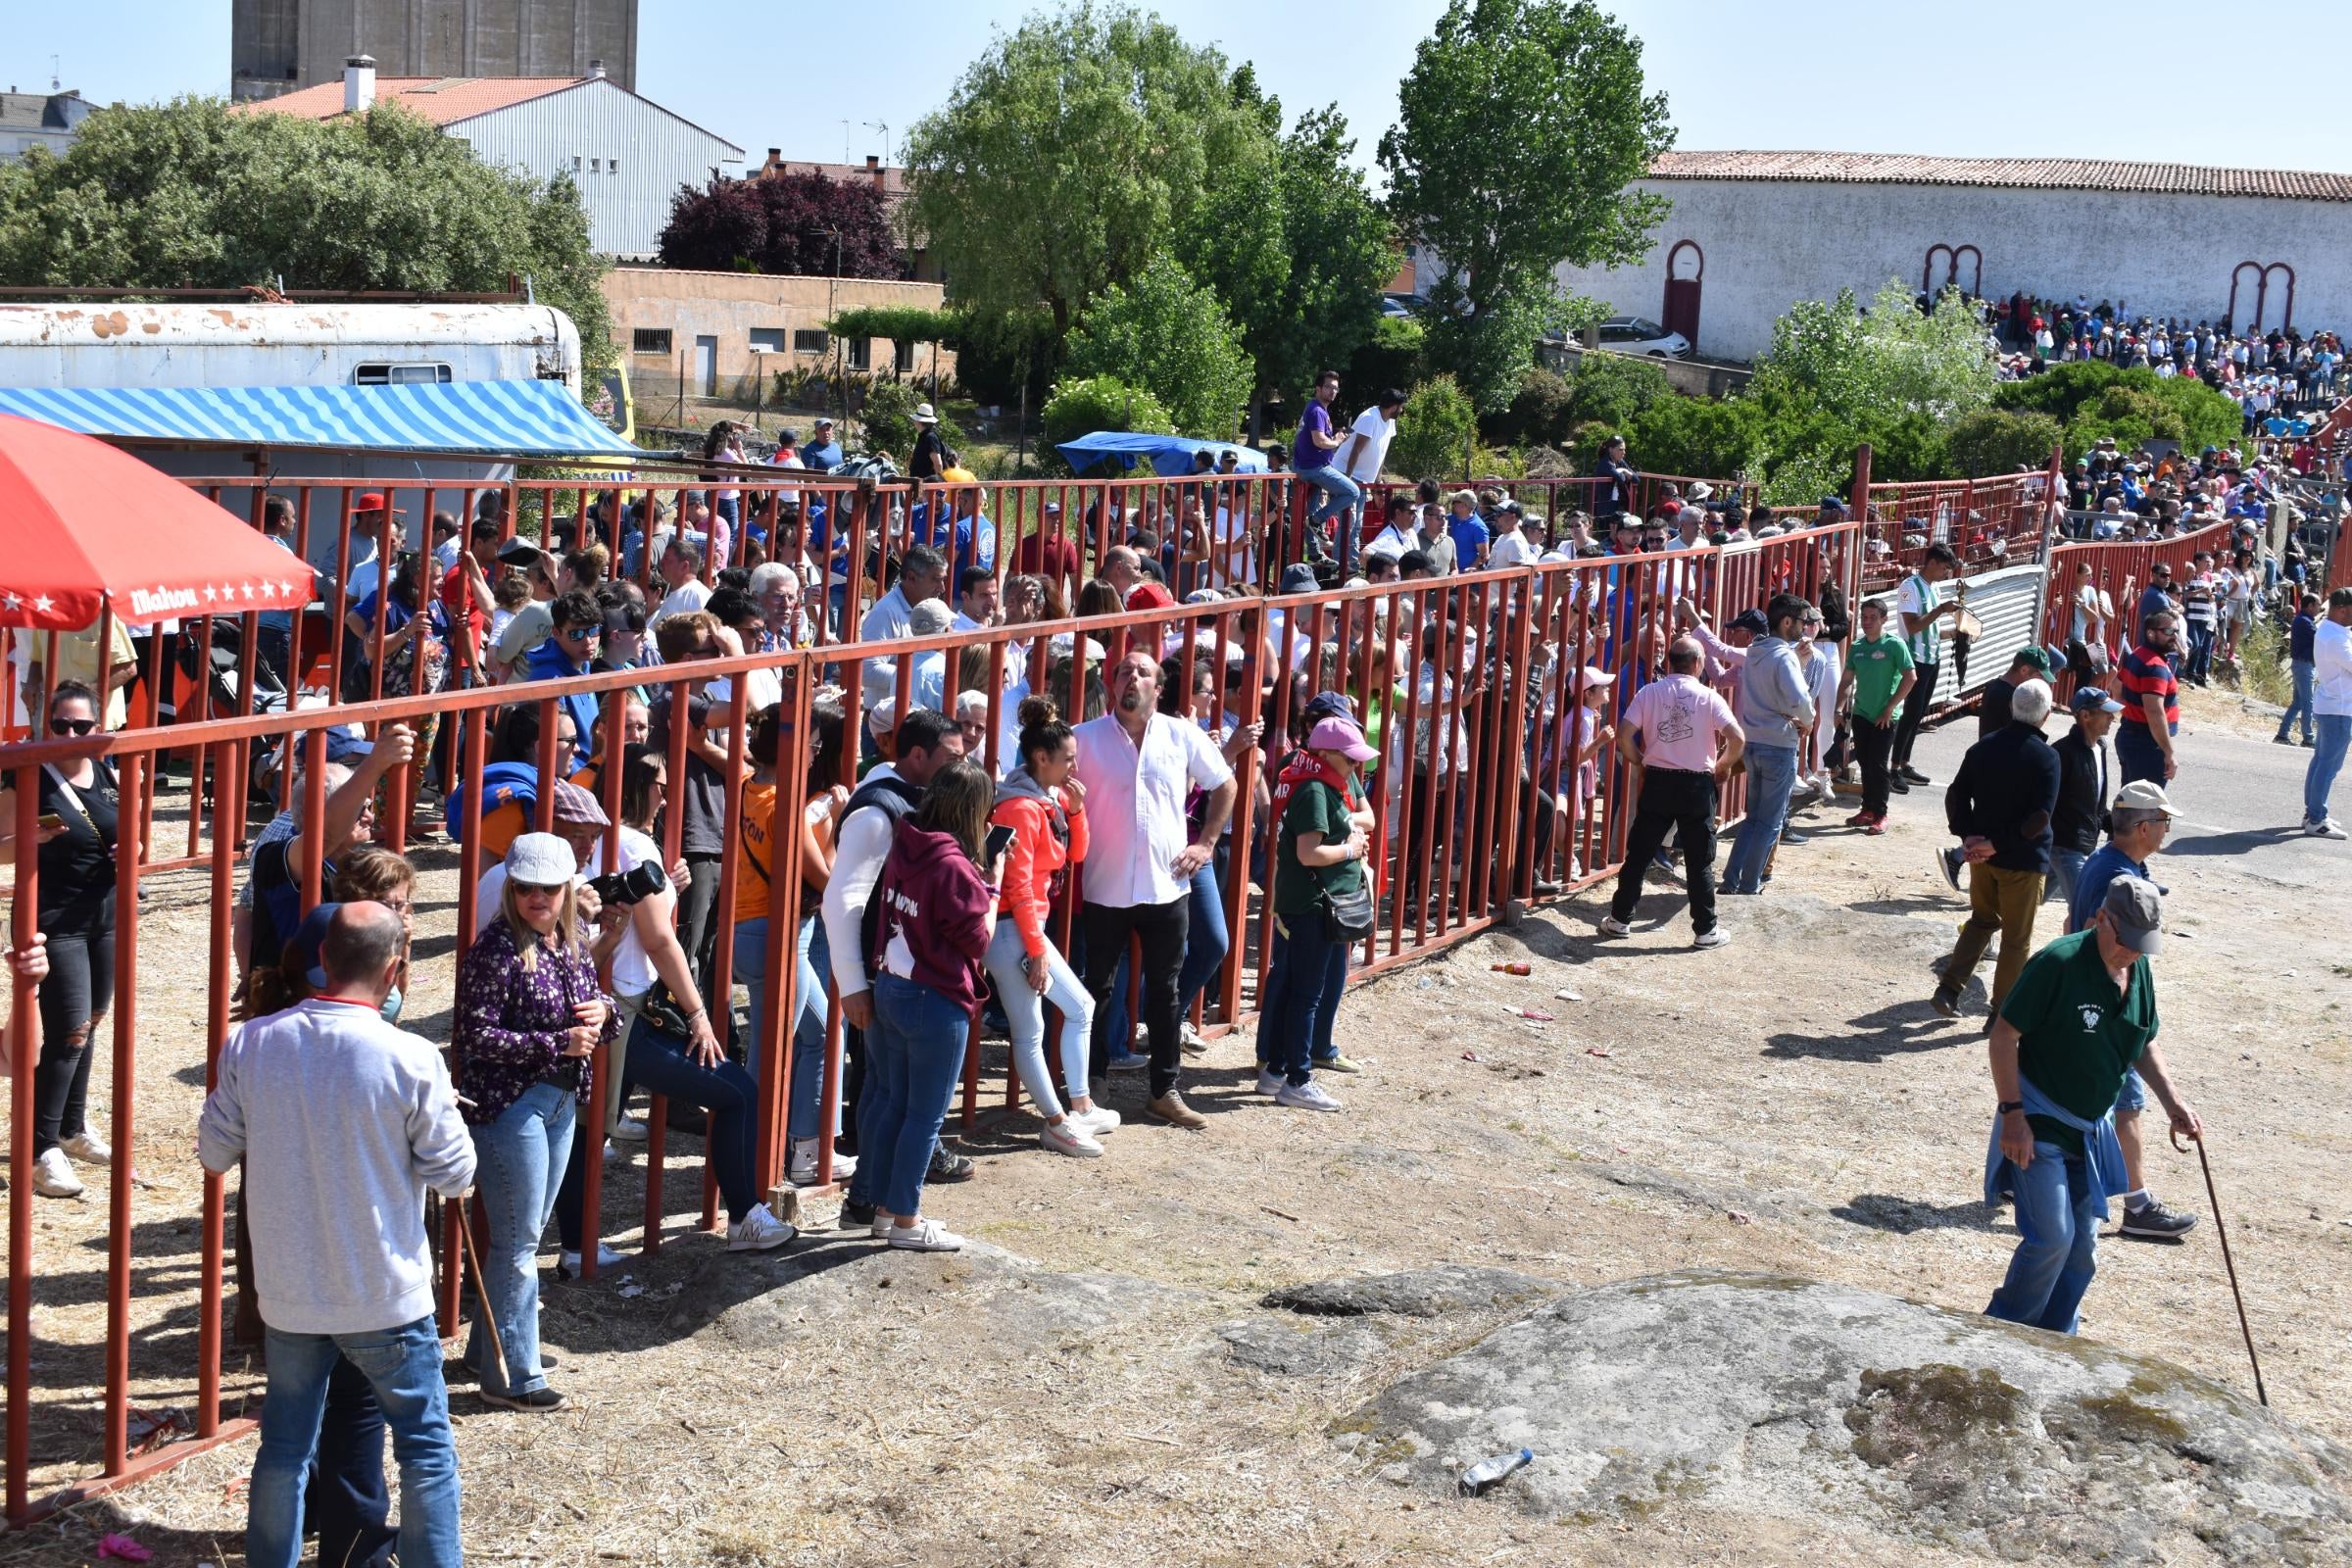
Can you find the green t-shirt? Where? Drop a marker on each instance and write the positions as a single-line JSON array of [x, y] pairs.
[[1878, 664], [2077, 1035], [1315, 807]]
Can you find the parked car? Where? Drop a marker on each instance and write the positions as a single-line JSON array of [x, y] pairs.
[[1396, 305], [1638, 334]]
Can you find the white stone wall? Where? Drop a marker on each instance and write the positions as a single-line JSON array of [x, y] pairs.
[[1770, 243]]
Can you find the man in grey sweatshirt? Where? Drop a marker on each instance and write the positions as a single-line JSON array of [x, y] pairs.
[[1775, 713], [343, 1122]]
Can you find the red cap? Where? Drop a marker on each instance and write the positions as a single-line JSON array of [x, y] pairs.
[[1149, 595], [373, 501]]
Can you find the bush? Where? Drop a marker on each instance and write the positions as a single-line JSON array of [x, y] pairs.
[[886, 416], [1996, 441], [1101, 403], [1613, 388], [1538, 415], [1436, 432], [2079, 395], [1695, 436], [1168, 332]]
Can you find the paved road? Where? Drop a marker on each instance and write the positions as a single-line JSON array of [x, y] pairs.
[[2240, 797]]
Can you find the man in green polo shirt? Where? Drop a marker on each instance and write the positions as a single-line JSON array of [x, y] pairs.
[[2080, 1014], [1879, 675]]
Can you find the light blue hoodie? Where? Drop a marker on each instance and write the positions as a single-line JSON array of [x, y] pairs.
[[1774, 699]]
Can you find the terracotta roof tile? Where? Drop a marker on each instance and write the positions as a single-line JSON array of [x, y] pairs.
[[443, 100], [2040, 174]]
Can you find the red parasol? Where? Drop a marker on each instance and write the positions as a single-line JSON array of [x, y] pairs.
[[86, 527]]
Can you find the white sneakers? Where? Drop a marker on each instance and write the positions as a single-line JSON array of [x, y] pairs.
[[1270, 1082], [1066, 1136], [759, 1231], [91, 1150], [1611, 926], [804, 1163], [1193, 1043], [569, 1263], [1098, 1122], [2329, 829], [629, 1130], [1309, 1096], [1710, 939], [924, 1236], [53, 1175]]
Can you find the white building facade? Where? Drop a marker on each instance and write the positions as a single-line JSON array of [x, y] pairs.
[[1750, 233]]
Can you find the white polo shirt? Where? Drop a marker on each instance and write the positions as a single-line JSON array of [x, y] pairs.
[[1135, 798]]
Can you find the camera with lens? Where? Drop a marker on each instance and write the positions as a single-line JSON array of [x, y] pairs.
[[621, 889]]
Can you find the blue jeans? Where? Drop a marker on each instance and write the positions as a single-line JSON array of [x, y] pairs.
[[520, 1157], [2059, 1213], [2326, 761], [662, 1063], [403, 1365], [1771, 774], [1308, 972], [2136, 754], [2300, 708], [2200, 650], [1340, 497], [805, 1098], [2066, 866], [914, 1058]]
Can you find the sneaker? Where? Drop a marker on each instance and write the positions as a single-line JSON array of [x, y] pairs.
[[1129, 1061], [53, 1176], [1710, 939], [1875, 826], [1945, 1003], [1546, 887], [1171, 1108], [1793, 837], [759, 1231], [856, 1215], [804, 1163], [1858, 820], [2283, 739], [879, 1227], [540, 1400], [947, 1167], [2152, 1219], [1947, 867], [2329, 829], [1189, 1038], [1611, 926], [87, 1148], [2308, 744], [1912, 775], [1661, 866], [1098, 1122], [1309, 1096], [1066, 1136], [1270, 1082], [925, 1235], [1898, 784], [567, 1264], [631, 1130], [1336, 1062]]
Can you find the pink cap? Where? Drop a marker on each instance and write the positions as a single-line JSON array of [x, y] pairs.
[[1341, 735]]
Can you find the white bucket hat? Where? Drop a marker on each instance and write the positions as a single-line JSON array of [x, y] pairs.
[[541, 860]]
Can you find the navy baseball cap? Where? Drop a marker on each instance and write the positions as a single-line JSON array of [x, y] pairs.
[[304, 945], [1750, 620]]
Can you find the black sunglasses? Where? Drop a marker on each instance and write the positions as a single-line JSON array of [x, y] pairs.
[[76, 726]]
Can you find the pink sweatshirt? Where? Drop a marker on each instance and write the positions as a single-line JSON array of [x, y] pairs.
[[936, 914]]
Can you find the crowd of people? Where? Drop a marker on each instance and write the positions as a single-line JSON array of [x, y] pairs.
[[959, 838], [2270, 373]]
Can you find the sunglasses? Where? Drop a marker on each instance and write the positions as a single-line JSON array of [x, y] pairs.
[[536, 890], [579, 634], [74, 727]]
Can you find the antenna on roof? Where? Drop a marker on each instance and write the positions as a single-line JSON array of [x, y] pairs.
[[845, 141], [55, 80], [884, 127]]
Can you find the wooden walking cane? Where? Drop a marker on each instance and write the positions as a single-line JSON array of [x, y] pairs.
[[2227, 1263], [481, 1290]]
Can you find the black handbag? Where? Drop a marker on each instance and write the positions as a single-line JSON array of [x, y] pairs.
[[1348, 916]]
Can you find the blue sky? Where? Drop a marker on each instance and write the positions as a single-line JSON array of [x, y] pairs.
[[2002, 78]]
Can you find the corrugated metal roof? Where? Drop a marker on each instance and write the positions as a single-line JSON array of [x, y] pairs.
[[2042, 173], [443, 100]]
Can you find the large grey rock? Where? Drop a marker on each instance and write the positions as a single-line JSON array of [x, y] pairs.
[[1801, 1399], [1413, 1293]]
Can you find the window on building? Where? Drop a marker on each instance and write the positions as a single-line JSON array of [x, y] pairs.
[[595, 165], [576, 163], [650, 340], [612, 166], [767, 339], [902, 358], [810, 340], [382, 374], [861, 354]]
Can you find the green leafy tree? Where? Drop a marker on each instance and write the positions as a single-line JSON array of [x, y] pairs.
[[1520, 132], [1393, 356], [1169, 336], [886, 415], [2205, 416], [1862, 367], [1069, 152], [1436, 432], [1081, 406], [1703, 438], [187, 194], [1995, 441]]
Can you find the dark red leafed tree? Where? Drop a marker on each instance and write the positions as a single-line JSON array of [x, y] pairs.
[[720, 229], [786, 223]]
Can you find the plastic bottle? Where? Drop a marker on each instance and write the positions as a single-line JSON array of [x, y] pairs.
[[1484, 1475], [1512, 968]]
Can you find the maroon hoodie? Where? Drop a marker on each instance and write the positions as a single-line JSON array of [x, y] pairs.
[[936, 914]]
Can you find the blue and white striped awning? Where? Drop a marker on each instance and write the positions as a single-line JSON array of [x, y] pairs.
[[538, 418]]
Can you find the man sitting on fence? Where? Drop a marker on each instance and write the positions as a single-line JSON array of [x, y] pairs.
[[343, 1122]]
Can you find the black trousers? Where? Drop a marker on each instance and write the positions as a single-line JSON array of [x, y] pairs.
[[1680, 803], [79, 989], [1161, 928], [1914, 715], [1873, 745]]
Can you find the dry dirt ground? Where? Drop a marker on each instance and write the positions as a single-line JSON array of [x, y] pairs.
[[1787, 1102]]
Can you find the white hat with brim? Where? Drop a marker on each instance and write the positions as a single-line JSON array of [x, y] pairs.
[[541, 860], [924, 416]]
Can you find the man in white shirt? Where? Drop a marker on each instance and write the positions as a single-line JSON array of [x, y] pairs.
[[1398, 537], [923, 574], [2332, 713], [1508, 546], [681, 569], [1361, 455], [979, 598], [1137, 766]]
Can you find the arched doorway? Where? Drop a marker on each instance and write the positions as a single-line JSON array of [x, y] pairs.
[[1948, 267], [1685, 265], [2261, 297]]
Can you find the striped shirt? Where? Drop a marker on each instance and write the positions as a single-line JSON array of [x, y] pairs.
[[2144, 673]]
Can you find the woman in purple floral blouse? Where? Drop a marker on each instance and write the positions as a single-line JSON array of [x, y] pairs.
[[529, 1015]]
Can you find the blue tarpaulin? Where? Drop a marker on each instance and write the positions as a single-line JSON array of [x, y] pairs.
[[538, 418], [1170, 454]]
